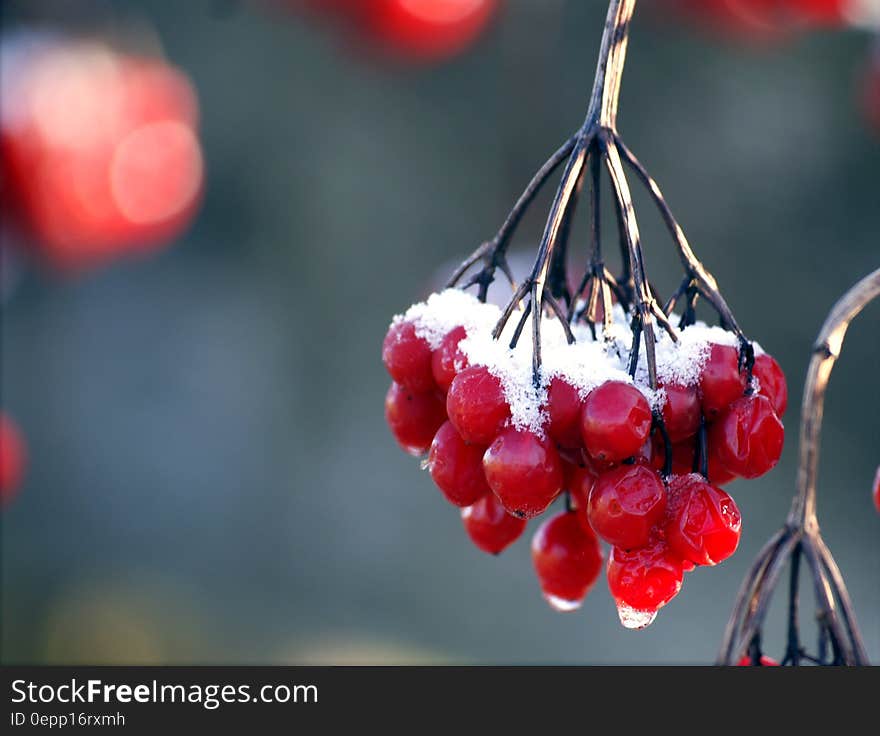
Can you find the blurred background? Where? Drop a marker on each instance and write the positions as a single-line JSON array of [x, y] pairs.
[[194, 371]]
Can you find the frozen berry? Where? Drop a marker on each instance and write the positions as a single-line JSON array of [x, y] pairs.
[[644, 579], [476, 405], [13, 459], [748, 438], [615, 421], [681, 411], [579, 482], [771, 382], [704, 523], [407, 357], [567, 560], [682, 455], [524, 471], [716, 472], [489, 526], [457, 467], [721, 381], [564, 409], [414, 418], [625, 504], [447, 360]]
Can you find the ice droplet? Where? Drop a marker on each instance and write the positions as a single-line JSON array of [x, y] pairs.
[[562, 605], [633, 619]]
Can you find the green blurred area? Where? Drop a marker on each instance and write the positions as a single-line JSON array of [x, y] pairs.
[[211, 478]]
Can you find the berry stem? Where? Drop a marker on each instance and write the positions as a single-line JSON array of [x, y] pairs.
[[800, 536], [825, 353]]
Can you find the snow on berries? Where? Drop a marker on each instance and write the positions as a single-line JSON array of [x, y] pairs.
[[638, 468]]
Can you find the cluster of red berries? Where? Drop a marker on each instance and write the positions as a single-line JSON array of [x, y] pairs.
[[605, 449], [415, 30], [100, 150], [13, 459]]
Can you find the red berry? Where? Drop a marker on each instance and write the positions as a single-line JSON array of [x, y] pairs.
[[489, 526], [457, 467], [625, 504], [615, 421], [718, 474], [427, 29], [681, 411], [567, 560], [771, 382], [564, 408], [644, 579], [703, 521], [407, 357], [748, 438], [448, 360], [746, 661], [579, 481], [524, 471], [877, 490], [13, 459], [414, 418], [476, 405], [721, 382]]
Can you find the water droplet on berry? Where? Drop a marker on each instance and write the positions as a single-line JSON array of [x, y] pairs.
[[633, 619], [561, 604]]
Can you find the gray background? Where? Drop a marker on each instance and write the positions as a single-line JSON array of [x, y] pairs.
[[211, 477]]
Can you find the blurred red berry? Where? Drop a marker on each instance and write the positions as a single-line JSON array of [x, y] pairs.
[[414, 418], [625, 504], [457, 467], [721, 381], [13, 459], [748, 438], [877, 490], [476, 405], [524, 471], [615, 421], [426, 30], [101, 149], [567, 560], [448, 361], [407, 357], [489, 526]]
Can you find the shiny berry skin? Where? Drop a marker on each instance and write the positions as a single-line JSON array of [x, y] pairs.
[[615, 421], [721, 381], [426, 30], [748, 438], [476, 405], [457, 467], [13, 459], [567, 560], [644, 579], [489, 526], [765, 661], [564, 409], [407, 357], [771, 382], [524, 471], [625, 504], [681, 411], [414, 418], [101, 149], [703, 521], [447, 360], [877, 490], [718, 474]]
